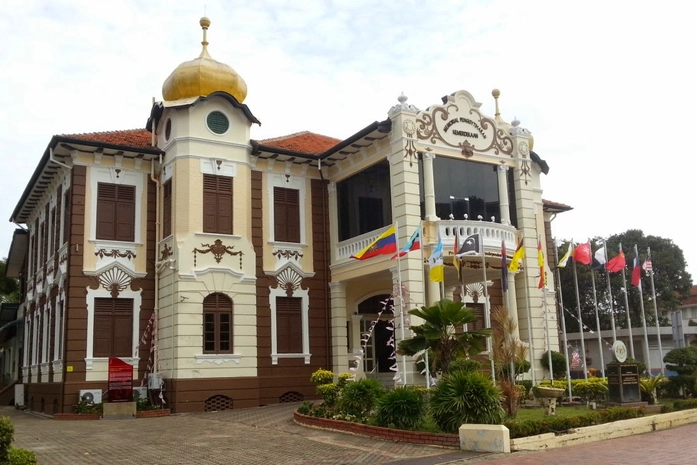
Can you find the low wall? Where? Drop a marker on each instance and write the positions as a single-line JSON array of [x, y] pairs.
[[387, 434], [617, 429]]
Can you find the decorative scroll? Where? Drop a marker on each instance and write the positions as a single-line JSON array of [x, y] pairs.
[[166, 252], [114, 253], [115, 280], [410, 147], [525, 171], [288, 254], [218, 249]]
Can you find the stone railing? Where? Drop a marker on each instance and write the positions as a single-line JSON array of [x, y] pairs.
[[491, 234], [354, 245]]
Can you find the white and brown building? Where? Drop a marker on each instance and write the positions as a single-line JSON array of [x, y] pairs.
[[222, 263]]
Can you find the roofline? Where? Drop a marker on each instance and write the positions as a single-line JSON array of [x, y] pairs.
[[381, 126], [45, 158], [159, 107]]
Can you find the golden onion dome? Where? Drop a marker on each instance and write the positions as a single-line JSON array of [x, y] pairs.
[[202, 76]]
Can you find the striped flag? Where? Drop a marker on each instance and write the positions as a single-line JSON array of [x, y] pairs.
[[435, 261], [647, 266], [575, 359]]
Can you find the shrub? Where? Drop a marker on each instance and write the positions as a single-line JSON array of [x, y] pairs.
[[359, 398], [19, 456], [403, 408], [519, 429], [84, 406], [464, 364], [649, 386], [591, 391], [684, 404], [527, 385], [641, 366], [681, 386], [465, 398], [322, 377], [329, 393], [306, 408], [683, 360], [7, 433], [558, 364], [344, 378]]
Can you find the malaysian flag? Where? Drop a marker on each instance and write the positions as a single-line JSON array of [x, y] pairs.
[[647, 266], [575, 359]]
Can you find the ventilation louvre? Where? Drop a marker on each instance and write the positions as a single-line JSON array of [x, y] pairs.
[[290, 397], [217, 403]]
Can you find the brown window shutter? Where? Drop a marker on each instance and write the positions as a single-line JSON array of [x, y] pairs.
[[282, 326], [106, 211], [217, 204], [286, 215], [66, 215], [224, 205], [217, 324], [289, 330], [126, 213], [113, 327], [167, 209], [123, 328], [57, 219]]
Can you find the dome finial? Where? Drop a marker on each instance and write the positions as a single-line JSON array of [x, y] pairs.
[[205, 23]]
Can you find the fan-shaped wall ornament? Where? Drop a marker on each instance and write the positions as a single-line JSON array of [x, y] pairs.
[[115, 280], [289, 280], [475, 290]]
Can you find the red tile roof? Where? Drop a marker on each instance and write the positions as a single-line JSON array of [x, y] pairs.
[[136, 138], [304, 142], [556, 205], [692, 298]]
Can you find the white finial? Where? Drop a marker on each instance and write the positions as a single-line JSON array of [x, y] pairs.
[[402, 98], [515, 123]]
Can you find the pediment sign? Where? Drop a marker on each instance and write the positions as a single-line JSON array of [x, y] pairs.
[[458, 123]]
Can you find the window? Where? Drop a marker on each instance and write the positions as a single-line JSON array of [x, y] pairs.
[[364, 201], [167, 209], [113, 327], [217, 122], [286, 210], [116, 212], [289, 327], [217, 204], [57, 219], [217, 324], [66, 215]]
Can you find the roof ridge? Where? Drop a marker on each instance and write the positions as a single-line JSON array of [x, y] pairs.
[[96, 133], [295, 134]]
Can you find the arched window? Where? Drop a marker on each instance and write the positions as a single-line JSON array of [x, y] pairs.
[[217, 324]]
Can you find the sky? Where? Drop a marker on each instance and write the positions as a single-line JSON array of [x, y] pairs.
[[606, 88]]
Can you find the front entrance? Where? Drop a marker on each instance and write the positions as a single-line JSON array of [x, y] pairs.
[[377, 352]]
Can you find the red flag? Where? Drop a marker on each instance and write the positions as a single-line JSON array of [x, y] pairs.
[[541, 264], [636, 272], [617, 264], [582, 253]]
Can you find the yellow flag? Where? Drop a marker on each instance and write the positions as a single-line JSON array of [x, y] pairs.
[[517, 257]]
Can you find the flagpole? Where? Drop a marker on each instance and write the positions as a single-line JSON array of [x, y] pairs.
[[487, 310], [580, 322], [643, 314], [609, 294], [401, 301], [626, 307], [421, 250], [597, 321], [655, 311], [563, 320]]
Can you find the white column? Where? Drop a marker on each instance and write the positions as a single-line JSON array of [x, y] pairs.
[[503, 195], [356, 345], [338, 327], [429, 187]]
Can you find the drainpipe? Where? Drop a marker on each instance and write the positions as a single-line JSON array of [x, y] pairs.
[[59, 163]]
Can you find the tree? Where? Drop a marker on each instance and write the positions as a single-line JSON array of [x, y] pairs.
[[9, 287], [440, 333], [671, 280]]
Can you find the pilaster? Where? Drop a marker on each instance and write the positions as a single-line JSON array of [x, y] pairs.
[[338, 327]]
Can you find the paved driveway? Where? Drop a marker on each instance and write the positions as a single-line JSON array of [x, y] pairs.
[[262, 436]]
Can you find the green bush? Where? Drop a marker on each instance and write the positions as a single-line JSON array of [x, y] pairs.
[[402, 408], [84, 406], [684, 404], [19, 456], [360, 397], [343, 379], [462, 397], [519, 429], [329, 393], [306, 408], [681, 386], [558, 364], [641, 366], [464, 364], [322, 377], [527, 385], [591, 391], [7, 433]]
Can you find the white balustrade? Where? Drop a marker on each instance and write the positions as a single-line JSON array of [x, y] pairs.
[[491, 234]]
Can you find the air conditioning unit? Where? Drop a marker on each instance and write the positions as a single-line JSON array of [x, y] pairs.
[[93, 396], [140, 393]]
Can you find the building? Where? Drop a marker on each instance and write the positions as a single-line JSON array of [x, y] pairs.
[[222, 264]]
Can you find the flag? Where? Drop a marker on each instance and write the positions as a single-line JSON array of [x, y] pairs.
[[414, 243], [636, 272], [616, 264], [599, 259], [435, 261], [582, 254], [504, 267], [575, 359], [541, 264], [470, 246], [647, 266], [385, 243], [567, 255], [518, 255], [456, 261]]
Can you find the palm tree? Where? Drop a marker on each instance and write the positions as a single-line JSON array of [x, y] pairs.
[[440, 334]]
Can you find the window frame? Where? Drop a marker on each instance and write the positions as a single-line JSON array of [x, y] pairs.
[[119, 307], [213, 204], [118, 201], [211, 307], [287, 219]]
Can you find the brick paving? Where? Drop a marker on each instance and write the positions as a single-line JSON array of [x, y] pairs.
[[267, 435]]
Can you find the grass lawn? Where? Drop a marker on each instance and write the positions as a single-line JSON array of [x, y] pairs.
[[539, 412]]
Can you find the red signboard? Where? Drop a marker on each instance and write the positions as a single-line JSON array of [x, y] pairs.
[[120, 380]]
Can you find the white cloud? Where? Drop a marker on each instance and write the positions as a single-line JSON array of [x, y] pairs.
[[607, 88]]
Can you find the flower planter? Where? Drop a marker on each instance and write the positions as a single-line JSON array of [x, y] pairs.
[[548, 398], [77, 416], [153, 413]]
